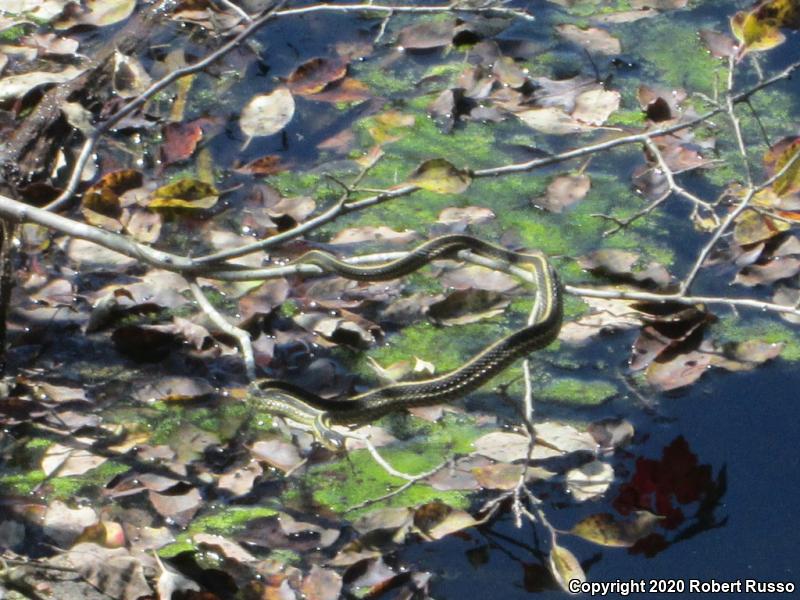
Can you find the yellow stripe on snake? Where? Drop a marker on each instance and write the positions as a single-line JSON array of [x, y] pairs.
[[304, 407]]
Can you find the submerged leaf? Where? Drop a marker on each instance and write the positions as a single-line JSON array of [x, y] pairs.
[[268, 113], [185, 194], [440, 176]]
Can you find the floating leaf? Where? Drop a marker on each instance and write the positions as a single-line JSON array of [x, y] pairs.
[[563, 192], [606, 530], [754, 226], [592, 39], [776, 158], [755, 34], [316, 74], [180, 141], [427, 36], [589, 480], [564, 567], [65, 461], [440, 176], [96, 12], [267, 114], [595, 106], [552, 120], [15, 86], [719, 44], [185, 194]]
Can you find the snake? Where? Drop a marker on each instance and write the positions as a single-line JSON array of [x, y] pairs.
[[320, 414]]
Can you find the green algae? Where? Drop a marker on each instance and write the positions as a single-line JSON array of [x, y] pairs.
[[656, 40], [577, 391]]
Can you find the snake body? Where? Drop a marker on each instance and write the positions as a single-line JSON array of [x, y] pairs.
[[299, 405]]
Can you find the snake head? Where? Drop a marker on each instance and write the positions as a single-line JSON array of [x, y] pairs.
[[326, 436]]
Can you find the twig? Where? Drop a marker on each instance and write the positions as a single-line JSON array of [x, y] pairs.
[[241, 336]]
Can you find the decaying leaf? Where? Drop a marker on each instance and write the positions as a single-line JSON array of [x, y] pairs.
[[185, 194], [593, 39], [589, 480], [267, 114], [606, 530], [440, 176], [565, 567]]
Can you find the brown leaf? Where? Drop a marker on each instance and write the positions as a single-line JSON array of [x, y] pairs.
[[316, 74], [478, 277], [277, 453], [592, 39], [719, 44], [467, 306], [180, 141], [606, 530], [774, 270], [321, 584], [63, 524], [112, 571], [346, 90], [679, 371], [467, 215], [381, 233], [174, 389], [563, 192], [621, 265], [427, 36], [180, 508]]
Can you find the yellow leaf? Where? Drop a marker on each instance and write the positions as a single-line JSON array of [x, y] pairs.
[[776, 158], [565, 567], [438, 175], [755, 34], [752, 227], [185, 193]]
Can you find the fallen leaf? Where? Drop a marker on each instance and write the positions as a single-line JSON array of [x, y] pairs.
[[590, 480], [316, 74], [440, 176], [606, 530], [185, 194], [563, 192], [98, 13], [427, 36], [564, 567], [267, 114], [592, 39], [64, 525]]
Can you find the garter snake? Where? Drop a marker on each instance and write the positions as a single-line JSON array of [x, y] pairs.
[[291, 401]]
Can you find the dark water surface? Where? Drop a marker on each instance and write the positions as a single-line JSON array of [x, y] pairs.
[[745, 423]]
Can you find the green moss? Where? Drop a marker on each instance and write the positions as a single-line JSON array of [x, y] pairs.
[[628, 118], [445, 347], [181, 544], [86, 484], [578, 391], [229, 519], [290, 183], [12, 34], [22, 483], [385, 82]]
